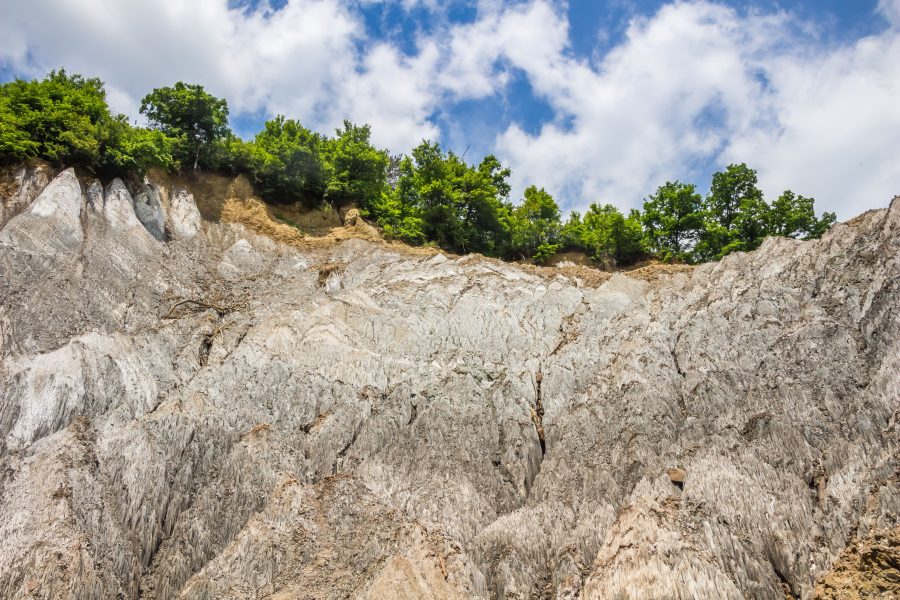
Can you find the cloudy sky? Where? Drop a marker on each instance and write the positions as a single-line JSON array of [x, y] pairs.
[[598, 101]]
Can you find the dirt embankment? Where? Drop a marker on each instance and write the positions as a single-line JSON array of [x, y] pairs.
[[869, 568], [229, 199]]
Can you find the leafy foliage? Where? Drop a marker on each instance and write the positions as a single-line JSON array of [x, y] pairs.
[[611, 237], [673, 221], [441, 198], [65, 120], [285, 162], [734, 214], [792, 215], [430, 196], [355, 170], [189, 114], [397, 210], [535, 223]]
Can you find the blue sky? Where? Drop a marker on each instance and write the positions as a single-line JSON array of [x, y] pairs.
[[598, 101]]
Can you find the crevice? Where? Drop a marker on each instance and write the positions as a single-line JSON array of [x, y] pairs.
[[568, 329], [537, 412], [413, 413], [343, 451], [173, 312], [205, 346], [675, 356], [785, 585]]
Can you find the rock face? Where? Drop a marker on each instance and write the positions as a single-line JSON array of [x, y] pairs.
[[223, 416]]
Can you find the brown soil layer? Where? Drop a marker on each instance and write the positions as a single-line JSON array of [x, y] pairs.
[[870, 568]]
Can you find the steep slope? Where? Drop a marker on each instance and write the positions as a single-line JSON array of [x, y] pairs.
[[207, 413]]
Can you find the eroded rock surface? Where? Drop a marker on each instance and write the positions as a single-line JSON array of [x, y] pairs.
[[223, 416]]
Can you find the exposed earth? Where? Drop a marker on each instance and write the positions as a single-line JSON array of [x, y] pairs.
[[198, 399]]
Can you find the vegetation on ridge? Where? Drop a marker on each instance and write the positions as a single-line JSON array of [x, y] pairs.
[[429, 196]]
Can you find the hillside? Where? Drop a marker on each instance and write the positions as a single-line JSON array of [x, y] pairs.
[[200, 401]]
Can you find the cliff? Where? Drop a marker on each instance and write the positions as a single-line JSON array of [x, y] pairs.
[[211, 408]]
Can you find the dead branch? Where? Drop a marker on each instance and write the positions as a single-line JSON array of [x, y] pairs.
[[222, 310]]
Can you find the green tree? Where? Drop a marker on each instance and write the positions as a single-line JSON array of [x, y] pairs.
[[354, 169], [286, 163], [189, 114], [792, 215], [673, 220], [728, 190], [572, 233], [65, 119], [61, 118], [735, 212], [534, 223], [498, 175], [433, 178], [134, 149], [397, 211], [610, 237], [480, 197], [438, 197]]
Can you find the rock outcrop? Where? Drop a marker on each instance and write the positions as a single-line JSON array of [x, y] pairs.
[[26, 182], [224, 416], [184, 215], [149, 210], [53, 221]]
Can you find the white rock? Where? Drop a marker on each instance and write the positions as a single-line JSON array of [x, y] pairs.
[[184, 217], [240, 428], [150, 211], [53, 222], [118, 206]]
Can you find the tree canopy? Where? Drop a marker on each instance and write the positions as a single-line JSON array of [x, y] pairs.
[[673, 221], [355, 170], [286, 164], [65, 119], [430, 196], [187, 113]]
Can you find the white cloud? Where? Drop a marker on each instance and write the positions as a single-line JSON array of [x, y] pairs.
[[699, 83], [394, 94], [531, 36], [890, 10], [302, 60], [837, 129], [634, 118]]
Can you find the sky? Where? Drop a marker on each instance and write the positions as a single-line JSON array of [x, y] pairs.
[[596, 101]]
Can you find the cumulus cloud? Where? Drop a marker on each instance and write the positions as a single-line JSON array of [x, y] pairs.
[[395, 94], [836, 126], [890, 10], [700, 84], [688, 89], [302, 60], [657, 103]]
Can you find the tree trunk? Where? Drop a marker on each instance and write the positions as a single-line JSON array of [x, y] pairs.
[[197, 158]]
